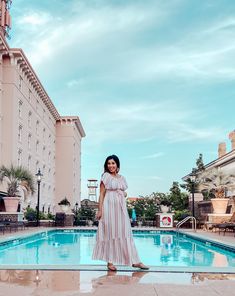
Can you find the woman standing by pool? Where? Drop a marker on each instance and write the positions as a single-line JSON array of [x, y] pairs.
[[114, 241]]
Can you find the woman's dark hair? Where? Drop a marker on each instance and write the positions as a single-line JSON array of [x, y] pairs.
[[115, 158]]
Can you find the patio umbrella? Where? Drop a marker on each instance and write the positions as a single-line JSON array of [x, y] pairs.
[[133, 215]]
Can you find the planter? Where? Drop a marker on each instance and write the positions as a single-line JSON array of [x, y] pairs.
[[65, 208], [139, 223], [90, 223], [11, 203], [219, 205], [164, 209]]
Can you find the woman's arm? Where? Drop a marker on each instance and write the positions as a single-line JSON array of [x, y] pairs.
[[101, 200]]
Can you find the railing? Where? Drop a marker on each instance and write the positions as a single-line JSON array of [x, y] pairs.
[[194, 223]]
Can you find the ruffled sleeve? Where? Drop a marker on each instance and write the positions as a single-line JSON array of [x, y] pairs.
[[125, 186], [104, 178]]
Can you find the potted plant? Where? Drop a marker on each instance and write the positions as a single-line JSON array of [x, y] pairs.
[[90, 223], [217, 183], [140, 222], [164, 203], [16, 177], [64, 205]]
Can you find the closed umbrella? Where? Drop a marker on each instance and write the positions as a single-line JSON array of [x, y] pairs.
[[133, 215]]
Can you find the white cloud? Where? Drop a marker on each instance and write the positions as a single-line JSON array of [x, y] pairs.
[[171, 121], [102, 41], [155, 155], [34, 18], [75, 83]]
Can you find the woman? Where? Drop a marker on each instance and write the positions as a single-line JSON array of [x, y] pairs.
[[114, 241]]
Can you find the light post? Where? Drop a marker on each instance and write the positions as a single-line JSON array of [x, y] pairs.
[[76, 208], [76, 214], [193, 181], [39, 178]]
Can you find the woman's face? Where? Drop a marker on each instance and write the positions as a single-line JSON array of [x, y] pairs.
[[112, 166]]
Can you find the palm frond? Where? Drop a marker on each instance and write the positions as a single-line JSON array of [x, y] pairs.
[[16, 176]]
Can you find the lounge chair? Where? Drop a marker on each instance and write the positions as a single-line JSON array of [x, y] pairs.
[[226, 226], [12, 225], [2, 228], [60, 219]]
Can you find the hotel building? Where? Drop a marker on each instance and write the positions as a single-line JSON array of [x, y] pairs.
[[34, 135]]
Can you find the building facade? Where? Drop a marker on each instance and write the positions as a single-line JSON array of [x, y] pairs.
[[225, 161], [34, 135]]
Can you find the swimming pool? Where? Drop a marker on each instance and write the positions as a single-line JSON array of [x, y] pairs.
[[164, 250]]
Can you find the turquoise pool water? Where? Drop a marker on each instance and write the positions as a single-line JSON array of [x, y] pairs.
[[70, 247]]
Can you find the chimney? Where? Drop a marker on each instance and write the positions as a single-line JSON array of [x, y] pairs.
[[232, 138], [222, 149]]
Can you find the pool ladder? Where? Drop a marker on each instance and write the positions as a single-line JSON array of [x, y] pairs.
[[194, 223]]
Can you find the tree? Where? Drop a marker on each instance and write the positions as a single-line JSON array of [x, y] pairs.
[[145, 207], [85, 213], [188, 185], [217, 182], [16, 177], [179, 199], [200, 163]]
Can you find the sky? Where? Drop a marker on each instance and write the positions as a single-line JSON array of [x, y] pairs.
[[153, 81]]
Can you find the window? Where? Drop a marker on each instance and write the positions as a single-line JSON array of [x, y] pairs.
[[37, 165], [29, 141], [37, 105], [43, 151], [19, 160], [29, 119], [44, 170], [44, 133], [20, 82], [20, 133], [49, 156], [29, 162], [20, 109], [37, 146], [37, 127], [30, 95]]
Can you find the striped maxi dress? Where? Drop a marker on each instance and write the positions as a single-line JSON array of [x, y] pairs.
[[114, 240]]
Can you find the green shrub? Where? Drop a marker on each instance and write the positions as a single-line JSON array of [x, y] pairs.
[[30, 214], [181, 214], [50, 216]]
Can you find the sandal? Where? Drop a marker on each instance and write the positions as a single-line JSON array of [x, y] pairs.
[[140, 265], [111, 267]]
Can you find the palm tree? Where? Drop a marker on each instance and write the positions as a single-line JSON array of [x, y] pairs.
[[16, 177], [217, 182]]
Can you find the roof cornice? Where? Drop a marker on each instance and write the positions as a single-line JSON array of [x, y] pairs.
[[27, 69], [77, 122], [23, 63]]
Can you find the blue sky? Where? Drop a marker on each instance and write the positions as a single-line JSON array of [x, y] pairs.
[[152, 81]]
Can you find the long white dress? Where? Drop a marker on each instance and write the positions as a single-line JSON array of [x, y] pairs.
[[114, 240]]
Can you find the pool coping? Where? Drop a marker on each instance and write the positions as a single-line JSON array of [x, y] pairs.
[[95, 267], [121, 268]]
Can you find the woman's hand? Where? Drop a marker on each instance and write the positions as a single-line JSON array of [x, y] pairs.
[[99, 215]]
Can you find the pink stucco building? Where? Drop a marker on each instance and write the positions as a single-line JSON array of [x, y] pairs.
[[34, 135]]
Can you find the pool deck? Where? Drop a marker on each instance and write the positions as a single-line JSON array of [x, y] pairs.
[[71, 283]]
